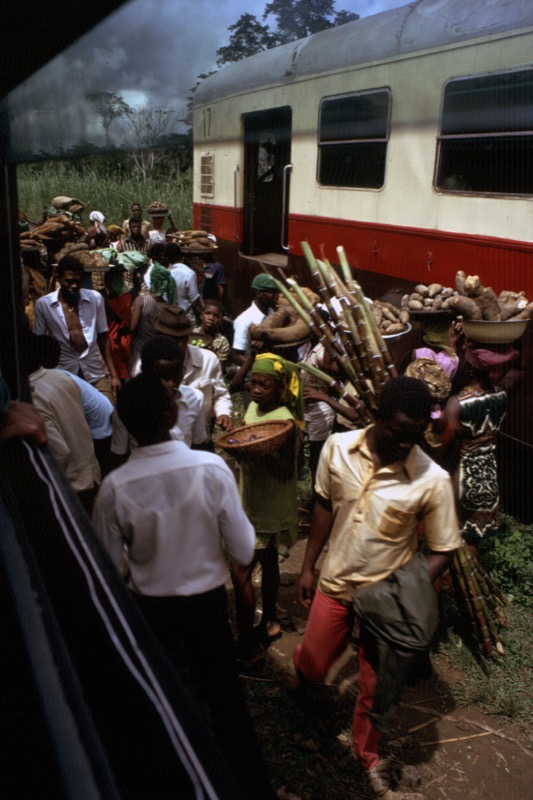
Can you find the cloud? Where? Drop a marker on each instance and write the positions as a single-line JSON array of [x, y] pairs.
[[144, 50]]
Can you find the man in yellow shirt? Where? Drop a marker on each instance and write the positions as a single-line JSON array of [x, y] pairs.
[[373, 488]]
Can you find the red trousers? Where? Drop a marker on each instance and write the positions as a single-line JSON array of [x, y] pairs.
[[326, 635]]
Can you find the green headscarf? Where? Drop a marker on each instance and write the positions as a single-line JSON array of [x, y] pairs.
[[162, 283], [288, 375]]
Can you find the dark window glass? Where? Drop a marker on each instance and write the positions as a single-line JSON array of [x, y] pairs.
[[486, 139], [352, 139]]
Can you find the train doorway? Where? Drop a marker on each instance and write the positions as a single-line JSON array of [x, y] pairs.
[[267, 152]]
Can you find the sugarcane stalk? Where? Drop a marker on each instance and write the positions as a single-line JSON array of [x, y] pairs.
[[495, 599], [352, 346], [465, 594], [325, 334], [364, 337], [334, 385], [328, 281], [480, 626], [482, 610], [362, 359], [487, 614], [356, 290]]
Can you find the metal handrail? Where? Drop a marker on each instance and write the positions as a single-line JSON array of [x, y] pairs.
[[286, 170], [235, 187]]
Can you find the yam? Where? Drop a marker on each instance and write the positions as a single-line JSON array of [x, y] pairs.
[[395, 327], [434, 289], [460, 278], [378, 313], [295, 332], [465, 306], [415, 305], [473, 286], [404, 316], [525, 313], [422, 289], [488, 303]]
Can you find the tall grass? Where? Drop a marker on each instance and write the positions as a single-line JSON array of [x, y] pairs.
[[110, 191]]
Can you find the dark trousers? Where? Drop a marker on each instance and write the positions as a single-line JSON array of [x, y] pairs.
[[198, 627]]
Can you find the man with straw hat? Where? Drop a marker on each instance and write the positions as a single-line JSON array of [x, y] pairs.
[[373, 487], [201, 369]]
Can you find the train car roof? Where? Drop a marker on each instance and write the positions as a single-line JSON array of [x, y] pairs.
[[420, 25]]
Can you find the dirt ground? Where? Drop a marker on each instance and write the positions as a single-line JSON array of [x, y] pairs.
[[457, 751]]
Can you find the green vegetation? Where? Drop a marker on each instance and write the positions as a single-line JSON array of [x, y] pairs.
[[509, 559], [108, 184], [499, 686]]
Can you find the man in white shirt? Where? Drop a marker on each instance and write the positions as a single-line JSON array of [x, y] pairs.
[[163, 356], [76, 318], [170, 519], [265, 301], [186, 283], [201, 368]]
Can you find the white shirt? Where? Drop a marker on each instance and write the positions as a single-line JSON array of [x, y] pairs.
[[191, 425], [202, 370], [187, 288], [49, 317], [170, 517], [250, 316]]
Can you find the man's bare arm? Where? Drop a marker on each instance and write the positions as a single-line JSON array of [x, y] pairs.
[[321, 524]]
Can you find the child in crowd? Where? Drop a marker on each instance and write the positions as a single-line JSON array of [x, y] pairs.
[[269, 497], [210, 325]]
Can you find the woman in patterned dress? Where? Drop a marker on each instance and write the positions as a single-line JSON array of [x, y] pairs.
[[473, 418]]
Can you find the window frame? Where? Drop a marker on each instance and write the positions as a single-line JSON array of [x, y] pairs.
[[502, 137], [362, 141]]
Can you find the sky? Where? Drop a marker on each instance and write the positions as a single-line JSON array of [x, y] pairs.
[[150, 53]]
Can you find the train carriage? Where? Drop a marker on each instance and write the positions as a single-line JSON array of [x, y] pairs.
[[406, 137]]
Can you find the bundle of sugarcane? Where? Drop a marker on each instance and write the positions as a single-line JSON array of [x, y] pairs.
[[351, 336], [483, 600]]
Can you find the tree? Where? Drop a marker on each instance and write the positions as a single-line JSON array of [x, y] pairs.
[[295, 19], [109, 107], [143, 131], [248, 37]]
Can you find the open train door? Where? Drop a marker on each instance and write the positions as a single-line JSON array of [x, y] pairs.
[[267, 152]]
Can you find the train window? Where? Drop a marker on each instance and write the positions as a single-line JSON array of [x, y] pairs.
[[207, 174], [486, 137], [353, 133]]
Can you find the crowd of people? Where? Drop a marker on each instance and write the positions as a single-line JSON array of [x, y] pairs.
[[135, 378]]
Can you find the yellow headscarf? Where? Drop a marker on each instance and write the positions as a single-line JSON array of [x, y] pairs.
[[288, 374]]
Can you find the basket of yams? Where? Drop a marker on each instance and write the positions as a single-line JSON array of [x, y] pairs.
[[259, 439]]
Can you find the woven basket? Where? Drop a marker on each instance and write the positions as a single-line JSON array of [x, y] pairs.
[[257, 440]]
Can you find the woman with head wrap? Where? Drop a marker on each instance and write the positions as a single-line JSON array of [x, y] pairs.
[[269, 496], [97, 227], [471, 421], [146, 307]]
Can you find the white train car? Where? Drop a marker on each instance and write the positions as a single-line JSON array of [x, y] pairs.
[[406, 137]]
